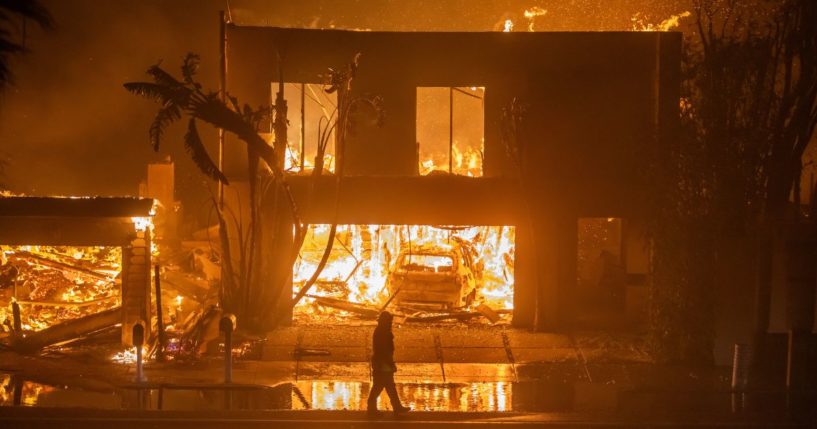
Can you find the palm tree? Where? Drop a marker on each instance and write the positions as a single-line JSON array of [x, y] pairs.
[[12, 11], [185, 97]]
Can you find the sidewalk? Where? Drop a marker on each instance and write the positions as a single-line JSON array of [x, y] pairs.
[[440, 369], [449, 376]]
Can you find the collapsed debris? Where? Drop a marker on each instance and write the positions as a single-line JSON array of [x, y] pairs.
[[54, 284], [410, 314], [425, 273], [35, 341]]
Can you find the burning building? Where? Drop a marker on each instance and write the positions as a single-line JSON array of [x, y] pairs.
[[74, 265], [438, 176]]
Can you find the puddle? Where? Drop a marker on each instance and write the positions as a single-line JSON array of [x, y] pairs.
[[502, 396], [351, 395]]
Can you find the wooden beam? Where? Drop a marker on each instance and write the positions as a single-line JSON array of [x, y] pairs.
[[71, 329]]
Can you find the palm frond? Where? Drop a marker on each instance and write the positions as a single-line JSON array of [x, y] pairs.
[[168, 114], [190, 66], [216, 113], [7, 49], [156, 92], [197, 151], [28, 9], [161, 77]]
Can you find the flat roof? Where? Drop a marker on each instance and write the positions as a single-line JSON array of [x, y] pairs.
[[98, 207]]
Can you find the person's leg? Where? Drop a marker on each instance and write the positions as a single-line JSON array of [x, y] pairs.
[[391, 390], [377, 387]]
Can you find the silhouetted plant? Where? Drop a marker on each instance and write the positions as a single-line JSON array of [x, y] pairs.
[[747, 114], [185, 97], [10, 12]]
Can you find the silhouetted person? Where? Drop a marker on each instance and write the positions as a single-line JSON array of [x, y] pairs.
[[383, 366]]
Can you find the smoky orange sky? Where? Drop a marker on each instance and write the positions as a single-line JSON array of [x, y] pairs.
[[68, 127]]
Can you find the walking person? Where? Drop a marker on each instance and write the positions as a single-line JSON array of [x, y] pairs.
[[383, 367]]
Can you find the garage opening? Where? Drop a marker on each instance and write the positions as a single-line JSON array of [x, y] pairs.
[[421, 273]]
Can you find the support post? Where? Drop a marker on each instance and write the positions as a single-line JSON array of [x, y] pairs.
[[303, 126], [740, 367], [227, 326], [450, 130], [138, 341], [17, 320], [160, 326]]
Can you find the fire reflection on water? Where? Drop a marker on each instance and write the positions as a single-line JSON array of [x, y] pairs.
[[28, 395], [352, 395], [310, 394]]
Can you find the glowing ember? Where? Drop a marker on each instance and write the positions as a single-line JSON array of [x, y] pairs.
[[128, 356], [292, 161], [668, 24], [531, 15], [142, 223]]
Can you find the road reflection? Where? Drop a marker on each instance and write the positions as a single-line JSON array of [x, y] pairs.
[[500, 396]]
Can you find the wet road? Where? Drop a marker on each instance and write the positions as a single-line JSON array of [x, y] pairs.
[[338, 404], [53, 418]]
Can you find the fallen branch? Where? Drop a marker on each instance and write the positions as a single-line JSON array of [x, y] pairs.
[[34, 341]]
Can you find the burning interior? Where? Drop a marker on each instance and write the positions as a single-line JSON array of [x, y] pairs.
[[55, 284], [421, 272], [450, 130], [72, 266]]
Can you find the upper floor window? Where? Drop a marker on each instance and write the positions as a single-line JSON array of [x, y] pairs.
[[450, 130], [309, 109]]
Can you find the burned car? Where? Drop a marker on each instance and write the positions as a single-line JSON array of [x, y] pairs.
[[441, 276]]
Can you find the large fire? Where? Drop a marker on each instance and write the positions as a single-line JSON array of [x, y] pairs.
[[55, 284], [364, 256], [52, 284]]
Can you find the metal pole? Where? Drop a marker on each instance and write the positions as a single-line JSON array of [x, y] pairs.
[[223, 96], [228, 356], [303, 126], [160, 350], [740, 367], [450, 130], [227, 325], [138, 336], [17, 381]]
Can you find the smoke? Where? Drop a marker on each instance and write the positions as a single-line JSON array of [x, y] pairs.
[[68, 127]]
